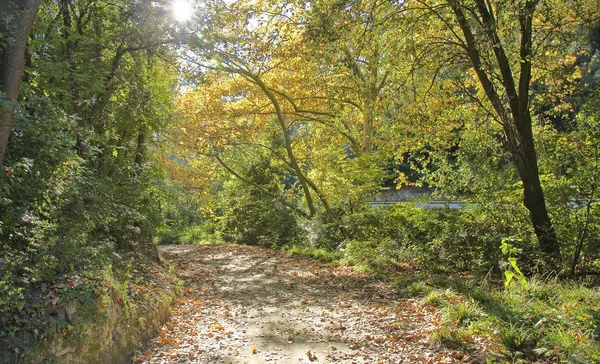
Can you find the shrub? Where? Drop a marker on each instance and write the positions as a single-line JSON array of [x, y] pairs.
[[193, 234], [432, 239], [246, 219], [246, 214]]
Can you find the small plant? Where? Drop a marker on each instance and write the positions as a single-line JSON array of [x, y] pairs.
[[418, 289], [566, 341], [434, 297], [516, 338], [508, 248], [480, 294], [450, 337], [463, 313], [451, 296]]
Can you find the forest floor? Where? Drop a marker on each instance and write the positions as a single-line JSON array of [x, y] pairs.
[[243, 304]]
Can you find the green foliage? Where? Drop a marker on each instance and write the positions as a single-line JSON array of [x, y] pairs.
[[451, 337], [509, 249], [543, 319], [248, 215], [517, 338], [176, 214], [479, 171], [371, 255], [81, 188], [320, 254], [570, 160], [380, 238], [194, 234], [168, 235], [462, 313], [434, 297], [419, 289], [246, 220]]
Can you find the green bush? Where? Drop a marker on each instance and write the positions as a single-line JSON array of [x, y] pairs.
[[248, 215], [316, 253], [372, 255], [194, 234], [253, 221], [448, 239], [168, 235]]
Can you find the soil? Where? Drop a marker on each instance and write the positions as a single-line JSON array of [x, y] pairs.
[[245, 304]]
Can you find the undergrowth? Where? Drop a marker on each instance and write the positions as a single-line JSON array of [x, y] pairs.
[[543, 320], [320, 254], [133, 285]]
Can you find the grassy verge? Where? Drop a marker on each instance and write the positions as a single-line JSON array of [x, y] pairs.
[[537, 321]]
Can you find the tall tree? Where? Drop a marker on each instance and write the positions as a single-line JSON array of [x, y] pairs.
[[12, 50], [356, 41], [497, 40], [255, 59]]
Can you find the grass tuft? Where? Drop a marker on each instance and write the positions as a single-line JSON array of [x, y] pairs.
[[516, 338], [434, 297], [463, 313], [418, 289]]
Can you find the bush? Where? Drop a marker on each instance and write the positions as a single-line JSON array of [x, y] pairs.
[[372, 255], [250, 220], [446, 239], [193, 234], [168, 235], [246, 214]]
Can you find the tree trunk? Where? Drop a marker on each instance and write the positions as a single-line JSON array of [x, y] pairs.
[[368, 122], [305, 184], [534, 201], [139, 153], [13, 64]]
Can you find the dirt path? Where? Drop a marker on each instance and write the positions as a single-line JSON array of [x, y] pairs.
[[251, 305]]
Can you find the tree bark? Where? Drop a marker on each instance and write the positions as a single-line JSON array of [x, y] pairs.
[[13, 65]]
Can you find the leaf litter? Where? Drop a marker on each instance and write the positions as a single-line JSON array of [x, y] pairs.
[[244, 304]]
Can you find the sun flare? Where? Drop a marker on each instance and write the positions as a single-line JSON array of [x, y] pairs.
[[183, 10]]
